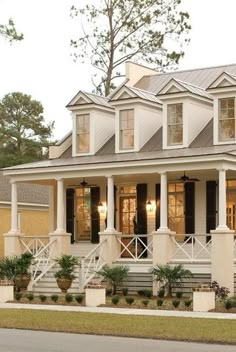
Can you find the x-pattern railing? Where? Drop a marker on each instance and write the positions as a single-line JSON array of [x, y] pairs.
[[235, 249], [92, 263], [42, 249], [135, 247], [193, 248]]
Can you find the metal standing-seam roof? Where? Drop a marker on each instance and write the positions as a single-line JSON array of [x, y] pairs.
[[193, 89], [201, 77]]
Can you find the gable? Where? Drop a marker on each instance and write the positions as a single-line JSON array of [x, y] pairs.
[[172, 87], [223, 80], [82, 101], [123, 93]]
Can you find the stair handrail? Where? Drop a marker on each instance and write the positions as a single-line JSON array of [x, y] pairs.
[[91, 264]]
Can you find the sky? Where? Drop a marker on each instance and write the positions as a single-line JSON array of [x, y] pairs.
[[41, 65]]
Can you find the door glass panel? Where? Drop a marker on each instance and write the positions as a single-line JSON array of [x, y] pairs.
[[83, 214], [176, 207]]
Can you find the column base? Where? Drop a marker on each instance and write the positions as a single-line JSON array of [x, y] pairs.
[[162, 246], [222, 258], [112, 247], [62, 245], [12, 244]]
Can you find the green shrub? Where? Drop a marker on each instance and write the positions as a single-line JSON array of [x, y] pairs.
[[145, 302], [68, 297], [125, 291], [175, 302], [79, 298], [140, 292], [115, 299], [148, 293], [42, 298], [30, 296], [108, 291], [179, 294], [161, 293], [160, 302], [18, 296], [129, 300], [228, 303], [54, 298], [187, 302]]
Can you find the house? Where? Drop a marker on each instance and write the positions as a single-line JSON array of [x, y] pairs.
[[32, 212], [148, 174]]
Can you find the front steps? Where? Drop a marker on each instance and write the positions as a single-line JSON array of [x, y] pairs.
[[82, 249]]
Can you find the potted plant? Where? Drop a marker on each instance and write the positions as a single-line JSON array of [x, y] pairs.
[[65, 274], [7, 278], [23, 275]]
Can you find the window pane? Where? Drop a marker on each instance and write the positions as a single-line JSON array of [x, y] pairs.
[[227, 129], [127, 139], [83, 143]]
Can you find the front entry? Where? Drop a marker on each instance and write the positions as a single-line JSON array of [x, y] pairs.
[[82, 214]]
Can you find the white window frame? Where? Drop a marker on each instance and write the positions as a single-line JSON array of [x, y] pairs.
[[220, 139], [78, 152], [126, 129]]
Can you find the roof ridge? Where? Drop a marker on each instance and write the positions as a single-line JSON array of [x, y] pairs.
[[189, 70], [142, 90]]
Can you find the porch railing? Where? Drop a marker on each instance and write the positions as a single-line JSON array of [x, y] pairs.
[[91, 264], [135, 247], [191, 248], [42, 249]]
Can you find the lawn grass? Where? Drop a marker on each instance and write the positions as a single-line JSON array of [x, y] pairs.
[[189, 329]]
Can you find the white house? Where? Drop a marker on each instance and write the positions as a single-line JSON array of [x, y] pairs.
[[156, 158]]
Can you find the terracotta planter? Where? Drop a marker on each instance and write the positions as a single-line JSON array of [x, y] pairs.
[[22, 281], [64, 284]]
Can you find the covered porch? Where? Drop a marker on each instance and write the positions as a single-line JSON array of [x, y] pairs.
[[148, 214]]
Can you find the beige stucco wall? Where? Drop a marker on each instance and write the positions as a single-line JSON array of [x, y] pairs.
[[33, 222]]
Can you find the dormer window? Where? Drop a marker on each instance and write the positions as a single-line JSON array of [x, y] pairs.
[[226, 119], [127, 129], [82, 133], [175, 124]]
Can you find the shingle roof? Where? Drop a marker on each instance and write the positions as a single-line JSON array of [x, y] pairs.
[[26, 193], [201, 77]]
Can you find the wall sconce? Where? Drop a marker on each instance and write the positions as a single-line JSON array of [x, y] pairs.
[[149, 206], [101, 208]]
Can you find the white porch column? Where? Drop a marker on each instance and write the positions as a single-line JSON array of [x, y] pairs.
[[110, 204], [12, 245], [222, 200], [62, 238], [51, 209], [60, 206], [222, 246], [14, 207], [163, 202], [112, 246]]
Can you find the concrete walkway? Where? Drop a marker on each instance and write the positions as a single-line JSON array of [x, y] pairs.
[[129, 311]]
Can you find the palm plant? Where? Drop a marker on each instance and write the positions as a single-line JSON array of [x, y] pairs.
[[169, 276], [114, 275], [8, 266], [65, 275]]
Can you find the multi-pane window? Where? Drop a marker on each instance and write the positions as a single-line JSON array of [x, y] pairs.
[[176, 207], [82, 131], [175, 124], [126, 129], [226, 119]]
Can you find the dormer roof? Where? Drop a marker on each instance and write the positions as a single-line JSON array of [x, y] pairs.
[[175, 86], [83, 98], [225, 79], [132, 92]]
